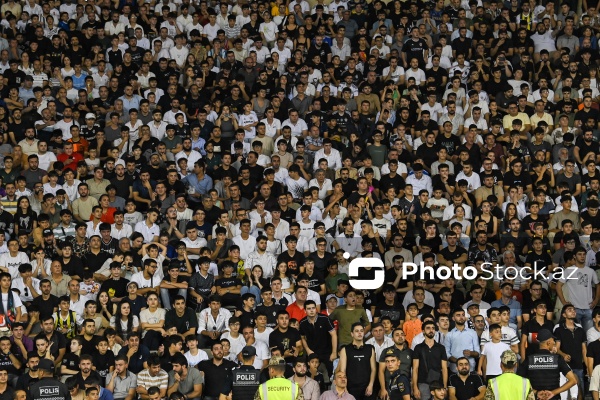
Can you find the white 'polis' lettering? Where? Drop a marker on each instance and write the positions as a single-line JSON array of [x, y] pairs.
[[49, 390], [543, 359]]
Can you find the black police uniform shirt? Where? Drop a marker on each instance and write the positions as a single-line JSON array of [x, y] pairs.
[[49, 389], [398, 386], [543, 370], [242, 383]]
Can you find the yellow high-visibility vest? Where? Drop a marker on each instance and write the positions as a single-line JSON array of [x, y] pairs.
[[510, 386], [279, 389]]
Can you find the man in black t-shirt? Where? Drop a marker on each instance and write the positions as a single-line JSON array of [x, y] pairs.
[[390, 307], [116, 286], [415, 47], [285, 337]]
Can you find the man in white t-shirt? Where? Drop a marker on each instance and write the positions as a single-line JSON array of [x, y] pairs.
[[245, 241], [145, 280], [9, 262], [46, 158], [192, 241]]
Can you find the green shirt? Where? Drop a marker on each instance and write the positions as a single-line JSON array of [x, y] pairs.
[[345, 319], [331, 282]]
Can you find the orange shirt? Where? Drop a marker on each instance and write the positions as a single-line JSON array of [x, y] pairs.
[[411, 329], [295, 311], [108, 216], [81, 146]]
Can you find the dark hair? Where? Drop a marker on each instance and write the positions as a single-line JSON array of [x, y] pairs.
[[118, 317]]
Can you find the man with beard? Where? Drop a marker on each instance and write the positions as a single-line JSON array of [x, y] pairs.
[[47, 384], [310, 387], [122, 182], [16, 129], [188, 153], [584, 146], [215, 372], [353, 361], [429, 364], [124, 387], [461, 341], [465, 385], [46, 302], [86, 373], [32, 375]]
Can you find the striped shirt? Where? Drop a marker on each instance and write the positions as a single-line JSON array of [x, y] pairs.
[[61, 232], [145, 380]]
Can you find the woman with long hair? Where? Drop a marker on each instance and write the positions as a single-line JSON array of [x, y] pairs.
[[287, 281], [25, 219], [301, 39], [26, 64], [509, 213], [188, 77], [104, 306], [67, 69], [124, 323], [254, 283], [108, 212], [228, 123], [285, 84], [290, 26], [491, 221], [153, 321], [460, 218]]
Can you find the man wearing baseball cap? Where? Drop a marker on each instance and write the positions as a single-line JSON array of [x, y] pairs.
[[509, 385], [278, 387], [543, 368], [47, 387], [243, 381]]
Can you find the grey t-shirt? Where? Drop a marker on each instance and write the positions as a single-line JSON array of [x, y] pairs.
[[194, 377], [579, 283]]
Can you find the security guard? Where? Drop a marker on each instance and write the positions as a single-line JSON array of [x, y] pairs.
[[543, 369], [278, 388], [48, 388], [398, 386], [243, 381], [509, 386]]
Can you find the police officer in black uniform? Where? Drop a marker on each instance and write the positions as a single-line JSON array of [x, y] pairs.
[[398, 385], [243, 381], [543, 369], [48, 388]]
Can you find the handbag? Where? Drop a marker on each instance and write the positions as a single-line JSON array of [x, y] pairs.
[[432, 375]]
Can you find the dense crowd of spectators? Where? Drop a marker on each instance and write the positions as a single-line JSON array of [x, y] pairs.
[[184, 180]]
